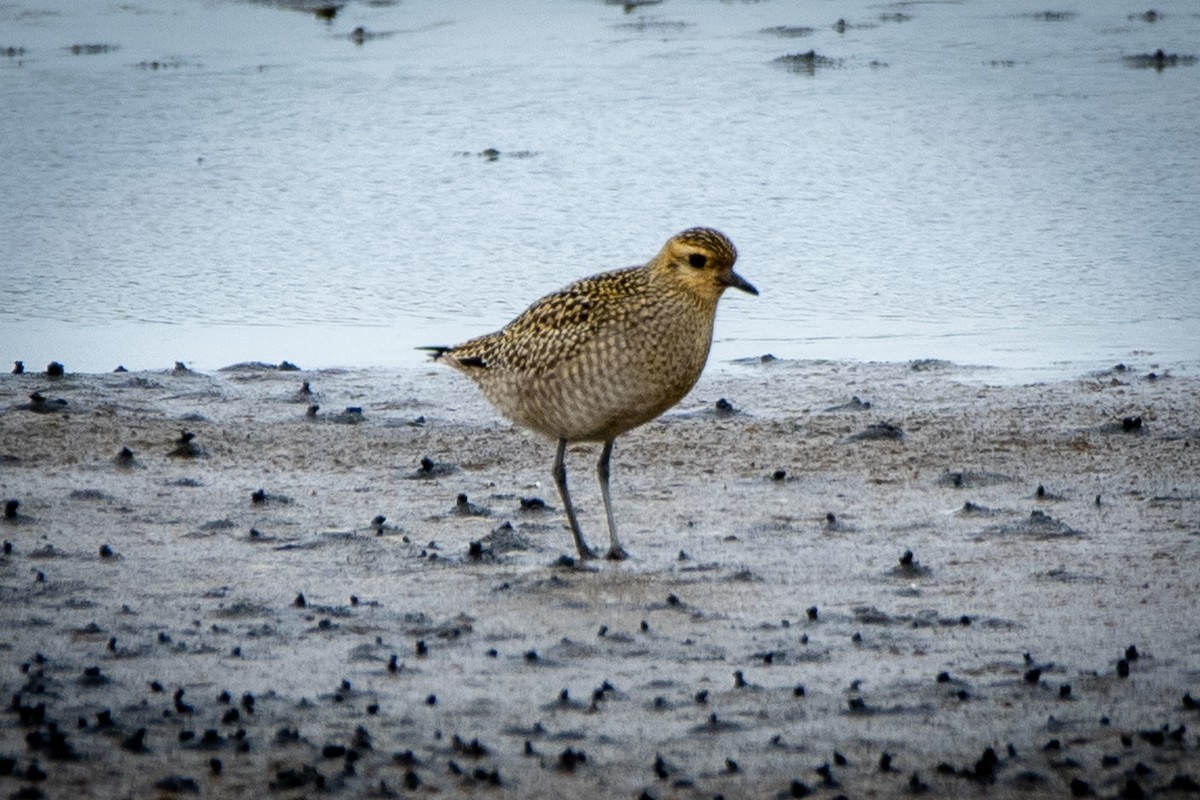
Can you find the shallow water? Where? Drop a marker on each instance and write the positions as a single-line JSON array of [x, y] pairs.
[[232, 181]]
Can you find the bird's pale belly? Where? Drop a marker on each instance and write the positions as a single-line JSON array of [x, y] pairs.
[[593, 399]]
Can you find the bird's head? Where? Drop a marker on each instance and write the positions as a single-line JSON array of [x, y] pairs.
[[701, 261]]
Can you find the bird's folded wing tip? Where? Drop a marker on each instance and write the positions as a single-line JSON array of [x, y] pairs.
[[437, 352]]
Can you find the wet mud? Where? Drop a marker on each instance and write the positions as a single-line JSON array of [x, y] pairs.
[[205, 592]]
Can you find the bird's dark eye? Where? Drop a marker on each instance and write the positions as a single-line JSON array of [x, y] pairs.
[[697, 260]]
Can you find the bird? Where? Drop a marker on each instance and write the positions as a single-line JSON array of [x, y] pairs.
[[605, 354]]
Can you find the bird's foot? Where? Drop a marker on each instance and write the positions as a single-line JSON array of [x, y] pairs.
[[616, 553]]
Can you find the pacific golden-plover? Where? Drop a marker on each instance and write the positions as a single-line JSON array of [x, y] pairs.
[[606, 353]]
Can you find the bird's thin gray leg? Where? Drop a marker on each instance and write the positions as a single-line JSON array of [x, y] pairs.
[[560, 478], [615, 551]]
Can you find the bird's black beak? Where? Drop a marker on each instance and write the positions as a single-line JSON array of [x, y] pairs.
[[738, 282]]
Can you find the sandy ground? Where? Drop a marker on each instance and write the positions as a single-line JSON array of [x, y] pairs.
[[764, 640]]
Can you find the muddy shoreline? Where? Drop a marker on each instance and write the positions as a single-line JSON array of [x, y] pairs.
[[847, 579]]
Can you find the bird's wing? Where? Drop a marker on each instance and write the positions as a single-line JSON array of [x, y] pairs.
[[552, 330]]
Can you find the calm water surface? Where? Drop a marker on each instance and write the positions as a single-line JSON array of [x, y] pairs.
[[228, 181]]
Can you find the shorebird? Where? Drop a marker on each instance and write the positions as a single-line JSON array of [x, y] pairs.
[[605, 354]]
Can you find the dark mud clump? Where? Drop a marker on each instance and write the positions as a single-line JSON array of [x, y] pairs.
[[493, 154], [878, 431], [164, 63], [40, 404], [910, 567], [653, 25], [806, 63], [463, 507], [854, 404], [1159, 60], [186, 447], [361, 35], [1038, 525], [428, 469], [841, 26], [125, 458], [260, 366], [327, 12], [789, 31], [970, 509], [1133, 424], [971, 479], [930, 365], [629, 6], [92, 49], [1054, 16]]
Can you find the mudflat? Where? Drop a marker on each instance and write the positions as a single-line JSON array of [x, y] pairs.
[[848, 579]]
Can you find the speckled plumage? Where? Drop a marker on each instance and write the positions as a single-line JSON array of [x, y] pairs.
[[606, 353]]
